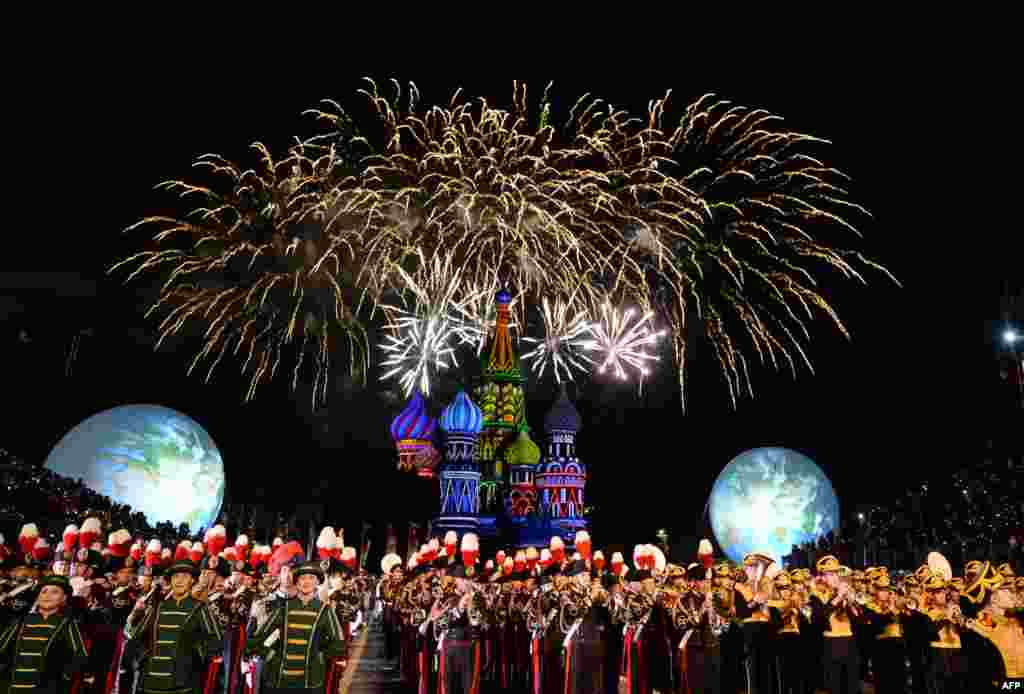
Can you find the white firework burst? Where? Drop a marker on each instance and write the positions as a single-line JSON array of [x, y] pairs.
[[567, 337], [418, 348], [421, 339], [624, 339]]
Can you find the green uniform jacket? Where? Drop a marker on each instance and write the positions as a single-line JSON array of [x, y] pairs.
[[40, 654], [308, 635], [177, 638]]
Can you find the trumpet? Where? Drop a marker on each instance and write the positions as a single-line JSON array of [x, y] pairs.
[[17, 591]]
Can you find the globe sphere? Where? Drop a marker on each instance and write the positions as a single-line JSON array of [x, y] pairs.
[[768, 500], [155, 459]]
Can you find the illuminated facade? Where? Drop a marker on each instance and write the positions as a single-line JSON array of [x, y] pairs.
[[493, 479], [561, 478], [460, 469], [413, 431]]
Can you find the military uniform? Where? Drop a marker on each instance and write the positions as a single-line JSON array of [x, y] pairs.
[[122, 602], [887, 632], [178, 637], [840, 658], [305, 635], [40, 654]]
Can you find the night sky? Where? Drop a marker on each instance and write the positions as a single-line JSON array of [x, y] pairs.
[[901, 400]]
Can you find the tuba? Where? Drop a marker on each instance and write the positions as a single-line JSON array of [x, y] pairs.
[[761, 564], [940, 566]]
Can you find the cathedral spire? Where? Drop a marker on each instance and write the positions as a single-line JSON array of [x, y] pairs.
[[502, 362]]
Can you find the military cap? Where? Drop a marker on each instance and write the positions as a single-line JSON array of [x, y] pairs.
[[827, 564], [183, 566], [309, 567], [61, 582]]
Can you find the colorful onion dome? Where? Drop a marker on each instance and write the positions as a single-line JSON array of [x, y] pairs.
[[563, 415], [523, 450], [413, 422], [462, 416], [503, 297]]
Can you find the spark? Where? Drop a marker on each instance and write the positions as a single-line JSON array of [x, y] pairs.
[[567, 335], [421, 334], [417, 348], [622, 341], [726, 221]]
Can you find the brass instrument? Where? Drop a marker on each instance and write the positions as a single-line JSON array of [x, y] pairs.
[[17, 591]]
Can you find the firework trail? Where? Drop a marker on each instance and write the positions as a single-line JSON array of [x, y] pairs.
[[726, 219], [567, 337]]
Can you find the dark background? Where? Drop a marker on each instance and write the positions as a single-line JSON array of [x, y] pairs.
[[911, 395]]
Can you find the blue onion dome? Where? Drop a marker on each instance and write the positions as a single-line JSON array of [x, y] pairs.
[[563, 415], [462, 416], [503, 297], [413, 422], [523, 450]]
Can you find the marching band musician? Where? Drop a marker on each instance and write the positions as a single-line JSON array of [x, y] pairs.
[[456, 622], [517, 641], [941, 625], [834, 610], [40, 650], [299, 637], [639, 596], [176, 635], [999, 624], [791, 624], [583, 619], [703, 624], [122, 601], [885, 615], [751, 600], [545, 645]]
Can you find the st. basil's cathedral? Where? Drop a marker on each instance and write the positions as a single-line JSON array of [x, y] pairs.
[[492, 477]]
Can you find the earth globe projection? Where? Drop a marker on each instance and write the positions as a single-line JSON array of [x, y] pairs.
[[769, 499], [155, 459]]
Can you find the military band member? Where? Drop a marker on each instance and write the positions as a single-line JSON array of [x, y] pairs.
[[942, 623], [834, 610], [791, 623], [457, 621], [585, 618], [122, 602], [751, 600], [299, 637], [999, 624], [885, 616], [177, 636], [41, 650]]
